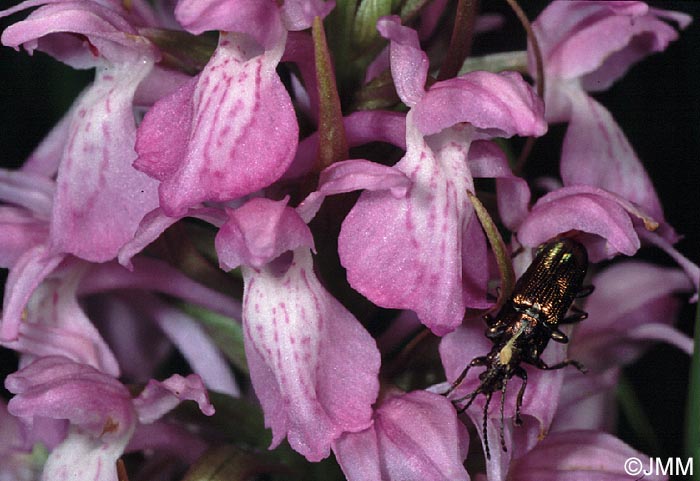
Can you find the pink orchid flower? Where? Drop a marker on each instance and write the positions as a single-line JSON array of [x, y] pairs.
[[101, 413], [401, 252]]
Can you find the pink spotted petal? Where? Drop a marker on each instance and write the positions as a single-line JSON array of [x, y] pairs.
[[311, 387], [27, 273], [258, 232], [414, 436], [592, 211], [581, 456], [406, 253], [498, 105], [486, 159], [158, 398], [100, 199], [232, 148], [409, 64], [350, 175], [597, 153], [258, 18]]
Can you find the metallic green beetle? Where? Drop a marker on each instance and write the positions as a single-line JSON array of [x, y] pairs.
[[529, 319]]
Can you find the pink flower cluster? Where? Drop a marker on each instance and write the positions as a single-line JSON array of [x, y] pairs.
[[263, 161]]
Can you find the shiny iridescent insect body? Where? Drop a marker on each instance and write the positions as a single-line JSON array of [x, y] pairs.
[[531, 317]]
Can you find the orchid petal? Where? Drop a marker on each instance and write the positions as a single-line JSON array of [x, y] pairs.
[[158, 276], [624, 316], [222, 160], [34, 192], [258, 232], [160, 150], [691, 269], [84, 458], [26, 274], [597, 153], [120, 323], [20, 232], [409, 64], [499, 105], [46, 157], [258, 18], [584, 209], [580, 455], [100, 199], [414, 436], [486, 159], [192, 341], [312, 389], [350, 175], [587, 402], [360, 128], [600, 41], [59, 388], [156, 222], [52, 28], [400, 252], [161, 397], [475, 272], [299, 14], [55, 324]]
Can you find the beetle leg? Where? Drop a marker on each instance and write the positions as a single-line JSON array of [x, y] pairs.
[[539, 363], [471, 397], [558, 336], [477, 361], [585, 291], [503, 403], [522, 374], [577, 316], [486, 431]]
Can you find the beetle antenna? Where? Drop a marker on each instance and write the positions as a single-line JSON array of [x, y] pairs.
[[503, 403], [486, 432]]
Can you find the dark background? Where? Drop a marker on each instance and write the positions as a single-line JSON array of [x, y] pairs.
[[657, 105]]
